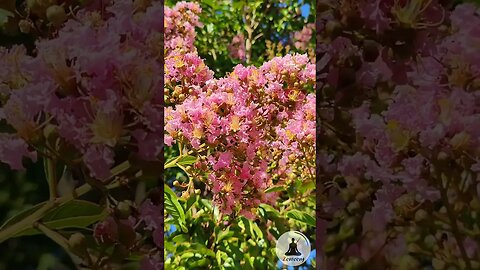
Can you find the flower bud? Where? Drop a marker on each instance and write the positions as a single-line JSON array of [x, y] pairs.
[[77, 244], [475, 204], [406, 262], [429, 241], [123, 209], [106, 231], [349, 228], [354, 263], [333, 28], [56, 15], [332, 244], [438, 264], [24, 26], [353, 206], [421, 215]]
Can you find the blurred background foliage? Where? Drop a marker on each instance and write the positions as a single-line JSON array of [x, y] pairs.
[[20, 191], [260, 22]]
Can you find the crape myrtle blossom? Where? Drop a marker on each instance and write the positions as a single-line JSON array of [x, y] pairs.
[[302, 38], [90, 97], [94, 82], [409, 160], [251, 130], [248, 120]]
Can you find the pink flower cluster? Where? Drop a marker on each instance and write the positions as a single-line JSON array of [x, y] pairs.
[[302, 38], [180, 22], [95, 84], [237, 48], [412, 85], [242, 124]]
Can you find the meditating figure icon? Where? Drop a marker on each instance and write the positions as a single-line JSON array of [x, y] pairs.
[[292, 249]]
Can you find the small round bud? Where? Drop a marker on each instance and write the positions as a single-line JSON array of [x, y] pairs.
[[24, 26], [331, 244], [354, 263], [442, 156], [353, 207], [475, 204], [429, 241], [106, 231], [56, 15], [77, 244], [333, 28], [123, 209], [421, 215], [349, 228]]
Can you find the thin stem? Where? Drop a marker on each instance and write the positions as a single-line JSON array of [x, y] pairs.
[[55, 236], [453, 220], [52, 177]]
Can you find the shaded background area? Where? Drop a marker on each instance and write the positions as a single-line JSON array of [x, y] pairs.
[[19, 191]]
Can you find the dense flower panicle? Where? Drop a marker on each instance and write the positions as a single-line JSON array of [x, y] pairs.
[[90, 94], [180, 23], [410, 85], [185, 74], [302, 38], [241, 125], [95, 82], [247, 120]]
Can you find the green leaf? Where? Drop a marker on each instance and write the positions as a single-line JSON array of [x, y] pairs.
[[200, 263], [257, 230], [174, 208], [187, 160], [180, 161], [209, 28], [307, 186], [201, 249], [302, 217], [186, 255], [191, 201], [274, 189], [270, 210], [22, 215], [75, 214], [224, 234], [4, 14], [181, 238]]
